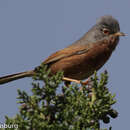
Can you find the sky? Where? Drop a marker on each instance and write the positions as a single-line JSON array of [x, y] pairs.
[[30, 30]]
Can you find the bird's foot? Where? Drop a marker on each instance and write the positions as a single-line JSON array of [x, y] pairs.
[[86, 82]]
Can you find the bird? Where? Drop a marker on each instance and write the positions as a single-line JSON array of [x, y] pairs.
[[82, 58]]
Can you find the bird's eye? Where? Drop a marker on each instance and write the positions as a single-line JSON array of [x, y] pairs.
[[106, 31]]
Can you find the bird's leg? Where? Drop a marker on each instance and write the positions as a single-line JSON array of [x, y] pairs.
[[76, 81], [71, 80]]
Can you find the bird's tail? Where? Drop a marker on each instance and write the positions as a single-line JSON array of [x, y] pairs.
[[12, 77]]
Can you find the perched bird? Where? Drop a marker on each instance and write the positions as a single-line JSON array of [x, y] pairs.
[[79, 60]]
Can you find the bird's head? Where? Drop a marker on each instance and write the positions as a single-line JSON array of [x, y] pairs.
[[104, 27]]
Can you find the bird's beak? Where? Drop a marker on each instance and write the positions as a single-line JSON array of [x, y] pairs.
[[120, 34]]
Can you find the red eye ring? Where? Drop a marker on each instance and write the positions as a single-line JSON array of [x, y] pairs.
[[106, 31]]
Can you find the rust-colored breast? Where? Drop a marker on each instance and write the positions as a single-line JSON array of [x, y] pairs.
[[81, 66]]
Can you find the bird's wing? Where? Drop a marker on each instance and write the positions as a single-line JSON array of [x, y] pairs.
[[66, 52], [77, 49]]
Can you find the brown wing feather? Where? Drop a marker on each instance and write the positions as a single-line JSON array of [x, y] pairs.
[[66, 52]]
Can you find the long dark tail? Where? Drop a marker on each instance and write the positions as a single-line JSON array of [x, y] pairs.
[[12, 77]]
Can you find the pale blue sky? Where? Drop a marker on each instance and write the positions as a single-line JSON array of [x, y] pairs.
[[30, 30]]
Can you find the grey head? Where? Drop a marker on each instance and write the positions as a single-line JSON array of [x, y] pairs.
[[105, 26]]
